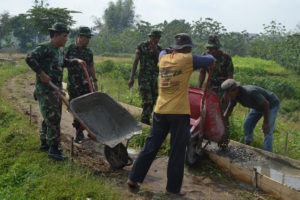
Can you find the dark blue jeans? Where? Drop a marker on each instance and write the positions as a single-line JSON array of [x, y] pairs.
[[251, 121], [178, 125]]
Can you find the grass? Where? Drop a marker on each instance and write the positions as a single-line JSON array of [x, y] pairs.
[[25, 173]]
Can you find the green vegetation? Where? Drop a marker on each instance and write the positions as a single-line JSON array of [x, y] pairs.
[[25, 173]]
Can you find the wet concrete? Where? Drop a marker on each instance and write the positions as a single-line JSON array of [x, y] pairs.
[[278, 168]]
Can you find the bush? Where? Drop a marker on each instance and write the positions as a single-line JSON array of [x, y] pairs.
[[290, 105], [107, 66]]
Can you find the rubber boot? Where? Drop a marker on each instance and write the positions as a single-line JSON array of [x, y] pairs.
[[44, 146], [55, 154], [79, 136]]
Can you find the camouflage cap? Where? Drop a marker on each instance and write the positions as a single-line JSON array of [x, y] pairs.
[[59, 27], [230, 84], [213, 41], [155, 33], [183, 40], [86, 31]]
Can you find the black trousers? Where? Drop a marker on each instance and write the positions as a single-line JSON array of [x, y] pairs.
[[179, 126]]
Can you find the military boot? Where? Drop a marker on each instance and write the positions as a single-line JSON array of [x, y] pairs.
[[79, 136], [44, 146], [55, 154]]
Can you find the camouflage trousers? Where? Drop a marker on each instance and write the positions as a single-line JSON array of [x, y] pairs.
[[50, 108], [148, 92], [74, 93]]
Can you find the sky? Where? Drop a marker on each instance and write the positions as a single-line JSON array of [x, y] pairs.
[[235, 15]]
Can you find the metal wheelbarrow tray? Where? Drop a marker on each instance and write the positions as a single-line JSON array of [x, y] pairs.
[[108, 122]]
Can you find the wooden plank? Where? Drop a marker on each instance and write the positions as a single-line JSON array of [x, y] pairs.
[[276, 188]]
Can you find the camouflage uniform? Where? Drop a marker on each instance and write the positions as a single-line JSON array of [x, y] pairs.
[[222, 69], [147, 78], [77, 81], [49, 59]]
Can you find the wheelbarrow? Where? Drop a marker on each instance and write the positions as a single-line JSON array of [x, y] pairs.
[[206, 122], [106, 121]]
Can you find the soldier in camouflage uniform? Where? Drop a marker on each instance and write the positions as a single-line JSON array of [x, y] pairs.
[[223, 68], [147, 54], [222, 71], [47, 61], [77, 80]]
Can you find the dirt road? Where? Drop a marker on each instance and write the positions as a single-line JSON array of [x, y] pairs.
[[202, 182]]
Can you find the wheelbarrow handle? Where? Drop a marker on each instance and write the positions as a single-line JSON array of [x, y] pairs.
[[88, 77], [59, 92], [63, 98]]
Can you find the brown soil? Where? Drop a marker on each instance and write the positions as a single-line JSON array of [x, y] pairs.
[[202, 182]]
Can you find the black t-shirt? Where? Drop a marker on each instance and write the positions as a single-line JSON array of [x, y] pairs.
[[253, 97]]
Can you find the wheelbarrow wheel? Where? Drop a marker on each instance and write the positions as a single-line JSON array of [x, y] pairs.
[[194, 149], [117, 156]]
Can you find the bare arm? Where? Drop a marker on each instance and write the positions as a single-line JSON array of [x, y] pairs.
[[201, 79], [133, 70], [228, 111]]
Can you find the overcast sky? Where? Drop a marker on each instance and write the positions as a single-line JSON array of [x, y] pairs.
[[235, 15]]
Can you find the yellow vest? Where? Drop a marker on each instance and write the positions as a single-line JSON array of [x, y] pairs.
[[174, 74]]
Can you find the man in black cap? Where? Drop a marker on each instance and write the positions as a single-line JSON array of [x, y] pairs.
[[147, 54], [47, 61], [77, 80], [171, 113], [262, 103]]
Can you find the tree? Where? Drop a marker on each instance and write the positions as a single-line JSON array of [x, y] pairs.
[[235, 43], [203, 28], [5, 26], [43, 17], [24, 31], [119, 16], [171, 29]]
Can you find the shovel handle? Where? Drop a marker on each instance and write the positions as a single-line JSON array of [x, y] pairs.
[[88, 78]]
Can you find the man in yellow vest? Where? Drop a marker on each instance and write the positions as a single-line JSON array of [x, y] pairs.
[[171, 113]]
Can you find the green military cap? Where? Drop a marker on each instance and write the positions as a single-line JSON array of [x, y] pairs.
[[213, 41], [155, 33], [86, 31], [59, 27]]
